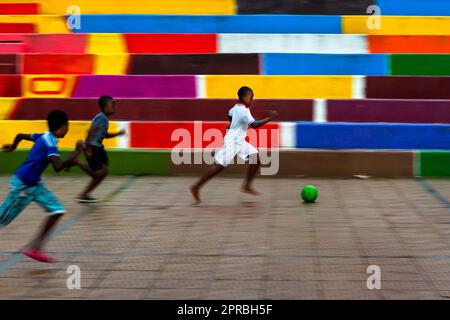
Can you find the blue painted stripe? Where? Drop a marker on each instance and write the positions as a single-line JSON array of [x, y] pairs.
[[129, 23], [372, 136], [414, 7], [325, 64]]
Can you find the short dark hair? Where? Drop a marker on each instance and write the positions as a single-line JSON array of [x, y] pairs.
[[103, 101], [243, 91], [56, 119]]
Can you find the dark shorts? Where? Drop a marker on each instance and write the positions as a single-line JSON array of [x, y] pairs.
[[99, 158]]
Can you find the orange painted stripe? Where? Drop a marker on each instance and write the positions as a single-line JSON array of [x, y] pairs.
[[58, 64], [409, 44]]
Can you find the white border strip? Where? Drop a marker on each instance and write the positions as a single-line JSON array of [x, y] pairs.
[[320, 110], [200, 84], [359, 87], [124, 141], [288, 134]]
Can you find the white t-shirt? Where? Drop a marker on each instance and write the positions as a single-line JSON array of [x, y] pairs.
[[241, 119]]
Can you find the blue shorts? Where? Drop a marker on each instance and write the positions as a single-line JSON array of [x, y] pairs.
[[20, 196]]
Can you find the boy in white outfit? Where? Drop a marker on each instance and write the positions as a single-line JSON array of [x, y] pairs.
[[235, 144]]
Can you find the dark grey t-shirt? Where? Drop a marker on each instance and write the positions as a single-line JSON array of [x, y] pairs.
[[101, 125]]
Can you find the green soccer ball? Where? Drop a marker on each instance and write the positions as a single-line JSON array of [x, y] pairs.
[[309, 194]]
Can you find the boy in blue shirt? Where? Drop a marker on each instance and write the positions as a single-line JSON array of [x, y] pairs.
[[26, 185]]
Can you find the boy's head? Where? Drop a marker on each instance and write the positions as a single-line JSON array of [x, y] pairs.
[[107, 104], [58, 123], [245, 95]]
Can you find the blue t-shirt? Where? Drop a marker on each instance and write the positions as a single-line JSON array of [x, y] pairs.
[[45, 145], [101, 124]]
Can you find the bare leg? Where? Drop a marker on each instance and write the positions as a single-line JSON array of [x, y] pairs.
[[43, 235], [209, 174], [251, 173], [97, 178]]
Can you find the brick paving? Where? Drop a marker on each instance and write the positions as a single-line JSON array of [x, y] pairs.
[[148, 242]]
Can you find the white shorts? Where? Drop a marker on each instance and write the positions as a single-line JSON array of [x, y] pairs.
[[229, 150]]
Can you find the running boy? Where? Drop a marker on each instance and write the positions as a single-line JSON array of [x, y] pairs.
[[26, 185], [235, 144], [95, 151]]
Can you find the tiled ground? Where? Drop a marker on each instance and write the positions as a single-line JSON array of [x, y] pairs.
[[148, 242]]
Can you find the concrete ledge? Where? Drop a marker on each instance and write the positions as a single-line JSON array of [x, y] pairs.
[[394, 164]]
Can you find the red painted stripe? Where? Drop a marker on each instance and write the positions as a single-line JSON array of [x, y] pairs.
[[171, 43], [58, 64], [17, 28], [159, 135], [19, 8], [10, 86]]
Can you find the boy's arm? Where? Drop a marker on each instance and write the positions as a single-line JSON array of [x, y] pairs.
[[21, 136], [59, 164], [259, 123], [115, 134]]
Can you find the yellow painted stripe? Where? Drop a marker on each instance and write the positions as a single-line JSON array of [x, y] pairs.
[[111, 63], [397, 25], [44, 86], [44, 23], [308, 87], [136, 6], [7, 105], [77, 130], [106, 43]]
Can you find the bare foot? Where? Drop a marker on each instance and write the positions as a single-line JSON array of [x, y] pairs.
[[250, 191], [194, 192]]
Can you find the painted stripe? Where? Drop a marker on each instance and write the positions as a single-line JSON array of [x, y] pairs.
[[124, 140], [389, 136], [136, 6], [320, 110], [123, 23], [106, 43], [43, 23], [110, 64], [398, 25], [359, 87], [281, 87], [292, 43], [325, 64], [7, 107], [200, 85], [288, 134], [414, 7]]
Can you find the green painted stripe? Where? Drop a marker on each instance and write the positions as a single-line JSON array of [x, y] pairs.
[[122, 162], [434, 163], [420, 64]]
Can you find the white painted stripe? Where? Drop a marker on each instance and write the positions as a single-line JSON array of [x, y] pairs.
[[200, 84], [292, 43], [124, 141], [359, 87], [288, 134], [320, 110]]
